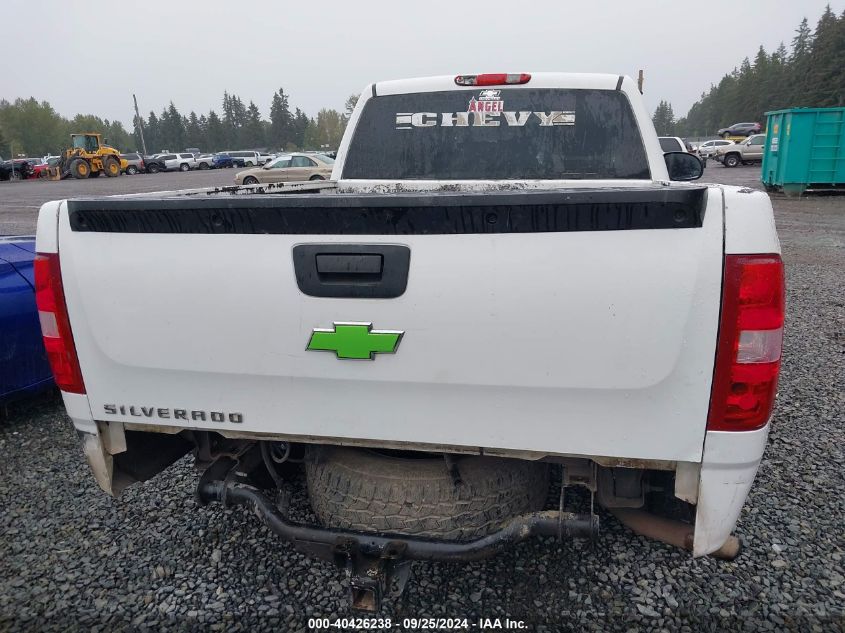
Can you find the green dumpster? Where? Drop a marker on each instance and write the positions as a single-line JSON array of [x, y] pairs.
[[805, 148]]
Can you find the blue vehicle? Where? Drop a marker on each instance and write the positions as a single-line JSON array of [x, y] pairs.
[[24, 368], [219, 161]]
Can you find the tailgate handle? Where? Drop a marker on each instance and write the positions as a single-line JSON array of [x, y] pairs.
[[363, 271], [340, 264]]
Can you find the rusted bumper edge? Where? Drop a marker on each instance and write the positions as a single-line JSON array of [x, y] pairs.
[[337, 544], [99, 449], [119, 458], [100, 461], [101, 441]]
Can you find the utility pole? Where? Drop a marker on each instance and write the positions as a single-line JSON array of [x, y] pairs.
[[640, 81], [140, 124]]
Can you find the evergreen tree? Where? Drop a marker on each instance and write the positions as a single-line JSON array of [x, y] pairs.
[[300, 124], [230, 129], [664, 119], [152, 134], [194, 133], [172, 129], [802, 42], [282, 131], [810, 75], [253, 128], [215, 132], [824, 75]]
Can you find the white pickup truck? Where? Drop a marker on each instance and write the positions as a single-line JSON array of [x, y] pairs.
[[502, 294]]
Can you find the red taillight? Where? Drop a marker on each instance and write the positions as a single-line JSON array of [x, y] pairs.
[[55, 326], [749, 348], [493, 79]]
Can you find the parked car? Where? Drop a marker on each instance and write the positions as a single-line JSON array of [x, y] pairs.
[[36, 164], [178, 162], [18, 169], [24, 368], [749, 151], [288, 168], [740, 129], [51, 161], [245, 158], [265, 157], [708, 148], [154, 164], [135, 163], [410, 346], [205, 161], [222, 160]]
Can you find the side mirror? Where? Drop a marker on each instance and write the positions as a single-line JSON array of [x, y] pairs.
[[683, 166], [105, 141]]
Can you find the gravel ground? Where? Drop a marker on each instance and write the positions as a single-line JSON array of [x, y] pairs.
[[71, 557]]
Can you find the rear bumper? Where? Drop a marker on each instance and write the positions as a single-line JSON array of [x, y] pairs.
[[724, 477], [727, 472]]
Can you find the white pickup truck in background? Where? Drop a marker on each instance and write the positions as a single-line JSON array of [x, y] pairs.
[[501, 289]]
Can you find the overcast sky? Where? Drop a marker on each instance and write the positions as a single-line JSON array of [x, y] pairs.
[[90, 57]]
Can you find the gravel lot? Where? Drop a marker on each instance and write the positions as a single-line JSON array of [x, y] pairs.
[[71, 557], [20, 201]]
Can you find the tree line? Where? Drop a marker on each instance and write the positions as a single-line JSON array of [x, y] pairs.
[[810, 74], [34, 128]]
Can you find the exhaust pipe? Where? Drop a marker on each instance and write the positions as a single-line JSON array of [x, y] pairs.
[[670, 532]]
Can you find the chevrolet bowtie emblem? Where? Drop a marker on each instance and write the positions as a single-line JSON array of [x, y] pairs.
[[357, 341]]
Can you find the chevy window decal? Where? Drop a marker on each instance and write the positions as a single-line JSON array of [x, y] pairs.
[[478, 118], [485, 110]]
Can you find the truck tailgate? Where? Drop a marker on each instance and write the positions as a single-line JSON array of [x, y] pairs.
[[576, 322]]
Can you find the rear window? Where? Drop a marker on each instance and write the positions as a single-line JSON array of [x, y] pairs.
[[498, 134]]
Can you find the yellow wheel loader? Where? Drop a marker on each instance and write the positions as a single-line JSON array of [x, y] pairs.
[[88, 157]]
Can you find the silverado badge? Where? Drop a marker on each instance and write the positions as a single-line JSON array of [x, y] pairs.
[[356, 341]]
